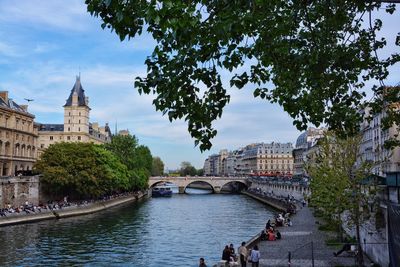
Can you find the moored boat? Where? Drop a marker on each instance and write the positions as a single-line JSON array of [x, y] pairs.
[[161, 191]]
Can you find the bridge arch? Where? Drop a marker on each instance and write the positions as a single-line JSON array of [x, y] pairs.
[[197, 181], [155, 183], [244, 185]]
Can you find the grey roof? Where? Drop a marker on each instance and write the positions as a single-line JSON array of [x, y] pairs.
[[12, 105], [51, 127], [79, 91]]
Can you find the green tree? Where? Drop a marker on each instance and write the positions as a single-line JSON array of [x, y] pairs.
[[200, 172], [157, 167], [137, 158], [143, 158], [187, 169], [82, 170], [337, 177], [124, 147], [311, 57]]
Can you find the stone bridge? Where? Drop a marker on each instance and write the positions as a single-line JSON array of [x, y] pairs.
[[216, 183]]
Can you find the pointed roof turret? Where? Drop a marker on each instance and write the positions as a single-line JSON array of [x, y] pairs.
[[77, 90]]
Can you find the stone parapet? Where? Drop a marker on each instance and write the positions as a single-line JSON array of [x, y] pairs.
[[71, 211]]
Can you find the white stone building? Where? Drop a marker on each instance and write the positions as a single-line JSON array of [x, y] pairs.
[[76, 126]]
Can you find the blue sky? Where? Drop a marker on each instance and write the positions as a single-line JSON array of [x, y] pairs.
[[44, 45]]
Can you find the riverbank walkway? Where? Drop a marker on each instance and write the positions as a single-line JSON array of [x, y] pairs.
[[297, 239]]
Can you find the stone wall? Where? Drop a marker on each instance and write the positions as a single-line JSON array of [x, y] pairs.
[[297, 191], [17, 190]]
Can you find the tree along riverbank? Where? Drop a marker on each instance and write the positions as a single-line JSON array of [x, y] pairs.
[[75, 210]]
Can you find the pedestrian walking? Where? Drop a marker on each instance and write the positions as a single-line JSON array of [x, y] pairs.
[[255, 257]]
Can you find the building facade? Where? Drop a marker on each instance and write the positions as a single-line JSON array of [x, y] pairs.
[[76, 126], [18, 137], [256, 159], [372, 147], [273, 159], [305, 142]]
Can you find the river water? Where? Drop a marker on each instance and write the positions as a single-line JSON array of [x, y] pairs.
[[157, 232]]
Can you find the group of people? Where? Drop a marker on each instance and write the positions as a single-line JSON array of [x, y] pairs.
[[243, 255], [29, 208], [271, 233]]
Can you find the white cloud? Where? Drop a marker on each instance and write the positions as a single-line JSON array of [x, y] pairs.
[[9, 50], [70, 15], [45, 47]]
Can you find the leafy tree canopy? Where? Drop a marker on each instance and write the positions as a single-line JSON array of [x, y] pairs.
[[82, 170], [124, 147], [158, 167], [187, 169], [311, 57], [137, 158]]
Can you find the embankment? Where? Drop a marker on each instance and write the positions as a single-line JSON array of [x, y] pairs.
[[71, 211], [268, 201]]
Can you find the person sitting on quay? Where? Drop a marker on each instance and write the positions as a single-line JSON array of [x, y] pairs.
[[271, 235], [226, 254], [263, 236], [289, 222], [233, 254], [280, 220], [346, 247], [2, 213], [278, 235], [202, 263], [268, 225]]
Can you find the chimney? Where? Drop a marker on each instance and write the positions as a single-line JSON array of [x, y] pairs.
[[4, 95], [24, 107]]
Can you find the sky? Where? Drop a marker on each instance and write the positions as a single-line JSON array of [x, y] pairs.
[[45, 44]]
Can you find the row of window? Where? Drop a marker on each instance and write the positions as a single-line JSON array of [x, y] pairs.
[[19, 150], [275, 161], [20, 124], [278, 167], [18, 137], [69, 114], [69, 129], [68, 138]]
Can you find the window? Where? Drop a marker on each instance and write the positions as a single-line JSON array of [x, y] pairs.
[[41, 145], [69, 113], [69, 129], [79, 113], [79, 121], [79, 138], [69, 121], [79, 129], [51, 137], [68, 137]]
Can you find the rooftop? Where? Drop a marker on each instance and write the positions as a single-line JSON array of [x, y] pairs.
[[78, 90]]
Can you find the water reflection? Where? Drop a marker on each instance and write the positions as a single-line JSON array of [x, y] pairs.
[[157, 232]]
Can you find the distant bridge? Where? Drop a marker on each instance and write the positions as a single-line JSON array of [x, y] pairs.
[[216, 183]]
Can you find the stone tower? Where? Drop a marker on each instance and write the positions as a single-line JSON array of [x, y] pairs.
[[76, 110]]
